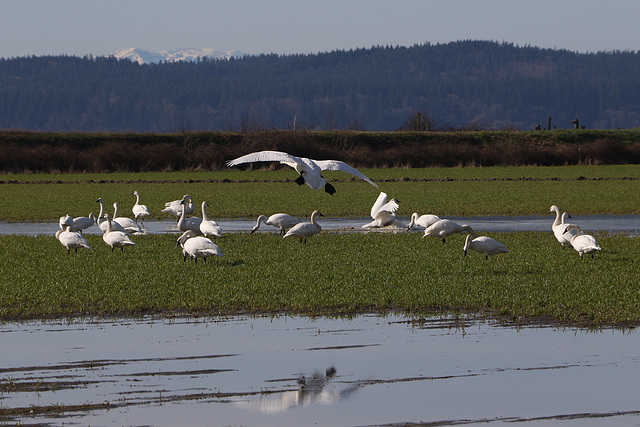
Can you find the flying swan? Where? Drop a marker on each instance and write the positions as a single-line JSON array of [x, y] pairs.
[[310, 170]]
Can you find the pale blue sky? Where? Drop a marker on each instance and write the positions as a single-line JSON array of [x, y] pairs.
[[82, 27]]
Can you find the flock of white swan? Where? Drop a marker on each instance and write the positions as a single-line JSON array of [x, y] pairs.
[[195, 241]]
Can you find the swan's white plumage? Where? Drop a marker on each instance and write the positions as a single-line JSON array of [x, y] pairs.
[[175, 207], [102, 222], [139, 211], [195, 247], [310, 170], [304, 230], [445, 228], [423, 221], [558, 227], [64, 221], [383, 212], [281, 220], [83, 222], [185, 224], [209, 227], [484, 245], [582, 243], [127, 224], [114, 238], [71, 239]]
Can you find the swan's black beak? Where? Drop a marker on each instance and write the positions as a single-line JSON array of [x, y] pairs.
[[300, 180], [329, 188]]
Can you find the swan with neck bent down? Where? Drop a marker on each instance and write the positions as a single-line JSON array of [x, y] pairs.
[[195, 247], [582, 243], [305, 230], [484, 245], [423, 221], [281, 220], [445, 228], [310, 170]]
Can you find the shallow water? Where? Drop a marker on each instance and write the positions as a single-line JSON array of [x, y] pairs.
[[277, 371], [613, 223]]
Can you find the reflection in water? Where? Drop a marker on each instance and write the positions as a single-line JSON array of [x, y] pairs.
[[313, 389]]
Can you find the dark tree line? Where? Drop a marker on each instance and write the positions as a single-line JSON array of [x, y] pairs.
[[467, 84]]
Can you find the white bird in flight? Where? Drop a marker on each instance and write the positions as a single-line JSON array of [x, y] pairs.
[[310, 170]]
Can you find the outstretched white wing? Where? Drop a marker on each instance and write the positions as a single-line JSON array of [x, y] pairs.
[[381, 204], [267, 156], [336, 165]]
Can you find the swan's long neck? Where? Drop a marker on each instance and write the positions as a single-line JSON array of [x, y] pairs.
[[204, 211], [108, 225], [137, 198], [414, 216], [313, 218], [101, 209], [557, 220], [115, 210]]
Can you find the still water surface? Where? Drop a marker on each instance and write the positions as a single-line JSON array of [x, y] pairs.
[[613, 223], [291, 371]]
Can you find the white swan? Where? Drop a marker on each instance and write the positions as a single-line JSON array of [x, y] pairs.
[[304, 230], [197, 246], [558, 227], [83, 222], [185, 224], [280, 220], [71, 239], [129, 225], [139, 211], [175, 207], [209, 227], [583, 243], [445, 228], [484, 245], [310, 170], [64, 221], [115, 239], [423, 221], [102, 222], [383, 212]]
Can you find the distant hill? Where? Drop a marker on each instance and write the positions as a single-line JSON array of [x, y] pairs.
[[174, 55], [466, 84]]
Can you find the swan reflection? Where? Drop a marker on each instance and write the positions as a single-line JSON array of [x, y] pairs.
[[313, 389]]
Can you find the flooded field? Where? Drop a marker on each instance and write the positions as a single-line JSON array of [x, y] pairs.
[[613, 223], [362, 371]]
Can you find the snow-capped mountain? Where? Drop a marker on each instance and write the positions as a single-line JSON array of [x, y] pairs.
[[174, 55]]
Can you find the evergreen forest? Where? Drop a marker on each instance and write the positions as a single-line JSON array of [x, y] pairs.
[[465, 85]]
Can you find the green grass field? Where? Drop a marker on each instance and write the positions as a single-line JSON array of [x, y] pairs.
[[333, 274]]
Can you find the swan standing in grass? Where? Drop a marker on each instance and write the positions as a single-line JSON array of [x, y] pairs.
[[583, 243], [558, 227], [383, 212], [175, 207], [304, 230], [83, 222], [310, 170], [185, 224], [423, 221], [115, 239], [197, 246], [139, 211], [209, 227], [129, 225], [280, 220], [102, 222], [445, 228], [484, 245], [71, 239]]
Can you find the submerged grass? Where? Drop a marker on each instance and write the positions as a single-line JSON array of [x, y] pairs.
[[331, 274]]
